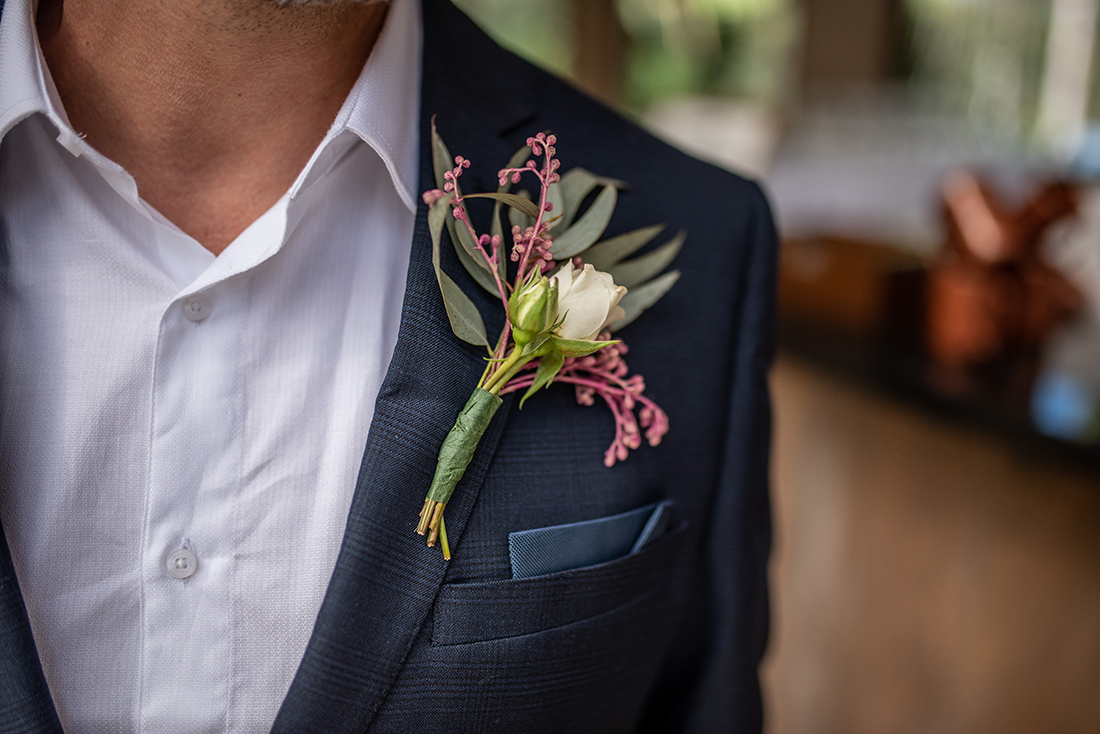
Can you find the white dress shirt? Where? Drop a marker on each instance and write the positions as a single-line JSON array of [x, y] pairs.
[[180, 433]]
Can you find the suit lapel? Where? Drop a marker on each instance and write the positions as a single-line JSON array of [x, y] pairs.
[[25, 703], [385, 579]]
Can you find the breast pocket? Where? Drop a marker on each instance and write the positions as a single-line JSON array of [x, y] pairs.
[[494, 610]]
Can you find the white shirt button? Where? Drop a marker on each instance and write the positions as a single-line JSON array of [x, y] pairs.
[[197, 307], [181, 563]]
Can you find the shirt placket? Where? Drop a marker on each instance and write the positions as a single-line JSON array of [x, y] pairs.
[[195, 448]]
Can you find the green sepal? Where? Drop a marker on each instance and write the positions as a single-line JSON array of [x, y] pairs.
[[538, 346], [579, 347], [461, 442], [548, 369]]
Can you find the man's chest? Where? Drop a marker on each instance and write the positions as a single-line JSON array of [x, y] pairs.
[[158, 402]]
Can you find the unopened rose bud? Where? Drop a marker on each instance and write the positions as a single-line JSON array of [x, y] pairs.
[[532, 308]]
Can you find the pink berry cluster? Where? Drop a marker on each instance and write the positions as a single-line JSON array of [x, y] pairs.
[[604, 374]]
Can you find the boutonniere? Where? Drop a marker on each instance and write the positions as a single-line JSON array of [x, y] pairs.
[[564, 294]]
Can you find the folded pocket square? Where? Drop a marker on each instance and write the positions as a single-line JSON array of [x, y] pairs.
[[579, 544]]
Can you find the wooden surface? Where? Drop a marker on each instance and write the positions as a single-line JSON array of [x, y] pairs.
[[926, 576]]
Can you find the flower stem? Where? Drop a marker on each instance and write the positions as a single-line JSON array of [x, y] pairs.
[[443, 539], [507, 370]]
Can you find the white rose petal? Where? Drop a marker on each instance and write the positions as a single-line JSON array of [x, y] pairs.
[[588, 300]]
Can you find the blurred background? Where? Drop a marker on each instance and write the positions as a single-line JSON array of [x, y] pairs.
[[933, 168]]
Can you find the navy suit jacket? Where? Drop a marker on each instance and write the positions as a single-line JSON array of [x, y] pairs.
[[665, 640]]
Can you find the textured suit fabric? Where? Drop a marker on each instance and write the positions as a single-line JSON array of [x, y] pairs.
[[664, 640]]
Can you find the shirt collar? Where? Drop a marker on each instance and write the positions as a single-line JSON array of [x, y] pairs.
[[25, 90], [382, 108]]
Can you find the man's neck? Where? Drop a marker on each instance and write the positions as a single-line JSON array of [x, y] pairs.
[[214, 106]]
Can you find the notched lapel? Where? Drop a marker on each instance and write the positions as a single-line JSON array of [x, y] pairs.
[[386, 580]]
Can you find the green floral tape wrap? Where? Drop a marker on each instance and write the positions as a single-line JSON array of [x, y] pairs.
[[459, 446]]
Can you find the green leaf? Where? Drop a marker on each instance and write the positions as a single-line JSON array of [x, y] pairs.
[[580, 347], [548, 369], [470, 258], [465, 319], [576, 184], [442, 161], [464, 244], [644, 296], [517, 218], [609, 253], [475, 264], [557, 208], [637, 271], [496, 229], [588, 228], [437, 215], [525, 205]]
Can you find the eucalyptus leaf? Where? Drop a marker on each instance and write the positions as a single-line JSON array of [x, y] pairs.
[[496, 229], [442, 162], [441, 157], [475, 264], [517, 218], [576, 184], [471, 259], [437, 215], [637, 271], [639, 299], [557, 204], [580, 347], [609, 253], [548, 369], [586, 230], [525, 205], [465, 319]]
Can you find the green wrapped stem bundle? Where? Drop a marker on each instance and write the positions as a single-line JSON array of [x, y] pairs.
[[454, 456]]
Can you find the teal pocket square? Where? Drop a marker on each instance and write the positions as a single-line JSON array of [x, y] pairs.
[[586, 543]]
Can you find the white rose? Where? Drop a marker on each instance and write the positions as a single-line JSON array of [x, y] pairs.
[[588, 300]]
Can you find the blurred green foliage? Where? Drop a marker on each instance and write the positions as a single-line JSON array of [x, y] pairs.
[[983, 59], [538, 30], [736, 48]]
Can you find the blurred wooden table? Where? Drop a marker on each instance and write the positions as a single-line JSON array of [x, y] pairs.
[[927, 575]]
